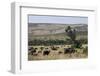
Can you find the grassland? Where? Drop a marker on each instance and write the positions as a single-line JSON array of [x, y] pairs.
[[43, 34], [54, 54]]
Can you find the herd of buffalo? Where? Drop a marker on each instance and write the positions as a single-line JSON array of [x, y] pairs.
[[46, 51]]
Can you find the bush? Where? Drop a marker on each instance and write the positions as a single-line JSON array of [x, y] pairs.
[[85, 50], [46, 42], [77, 44], [41, 48]]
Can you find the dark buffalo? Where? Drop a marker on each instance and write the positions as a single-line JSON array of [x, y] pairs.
[[30, 48], [60, 52], [33, 51], [69, 50], [46, 52]]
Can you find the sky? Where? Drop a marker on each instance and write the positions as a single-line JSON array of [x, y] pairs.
[[57, 19]]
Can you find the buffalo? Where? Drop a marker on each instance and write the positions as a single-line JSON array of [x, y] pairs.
[[69, 50], [30, 48], [33, 51], [46, 52], [60, 52]]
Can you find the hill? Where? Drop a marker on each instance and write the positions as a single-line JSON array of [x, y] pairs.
[[52, 28]]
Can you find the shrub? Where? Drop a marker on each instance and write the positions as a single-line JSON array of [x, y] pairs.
[[77, 44], [85, 50]]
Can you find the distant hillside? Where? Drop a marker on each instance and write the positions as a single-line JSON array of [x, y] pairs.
[[52, 28]]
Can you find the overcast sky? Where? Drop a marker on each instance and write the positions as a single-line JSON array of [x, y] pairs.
[[58, 19]]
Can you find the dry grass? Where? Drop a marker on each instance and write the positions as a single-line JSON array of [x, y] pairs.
[[55, 55]]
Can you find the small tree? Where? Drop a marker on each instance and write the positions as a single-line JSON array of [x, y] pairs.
[[72, 34], [41, 48], [77, 44]]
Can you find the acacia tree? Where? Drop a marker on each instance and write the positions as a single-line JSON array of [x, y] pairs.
[[72, 34]]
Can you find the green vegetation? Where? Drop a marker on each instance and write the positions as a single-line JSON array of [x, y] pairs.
[[56, 43], [69, 37]]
